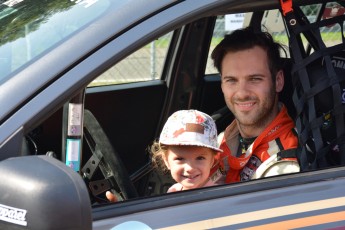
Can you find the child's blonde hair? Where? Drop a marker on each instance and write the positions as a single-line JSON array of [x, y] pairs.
[[158, 151]]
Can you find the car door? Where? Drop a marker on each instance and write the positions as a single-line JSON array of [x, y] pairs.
[[263, 204], [132, 113]]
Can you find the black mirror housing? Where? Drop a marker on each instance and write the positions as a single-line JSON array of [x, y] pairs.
[[40, 192]]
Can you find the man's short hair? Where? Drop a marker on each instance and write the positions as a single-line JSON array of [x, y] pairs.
[[243, 39]]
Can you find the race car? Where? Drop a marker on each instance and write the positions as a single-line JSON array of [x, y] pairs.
[[87, 85]]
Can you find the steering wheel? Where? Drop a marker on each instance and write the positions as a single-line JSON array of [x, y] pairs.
[[105, 158]]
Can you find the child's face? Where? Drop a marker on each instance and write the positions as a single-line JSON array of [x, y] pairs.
[[189, 165]]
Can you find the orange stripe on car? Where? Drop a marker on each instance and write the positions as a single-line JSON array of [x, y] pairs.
[[266, 214], [302, 222]]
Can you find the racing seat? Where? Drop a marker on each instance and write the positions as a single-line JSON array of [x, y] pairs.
[[40, 192]]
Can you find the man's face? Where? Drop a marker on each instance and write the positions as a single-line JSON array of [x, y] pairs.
[[248, 88]]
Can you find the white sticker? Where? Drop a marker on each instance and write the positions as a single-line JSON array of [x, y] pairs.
[[74, 119], [13, 215], [73, 148], [131, 225], [73, 154], [234, 21], [74, 114]]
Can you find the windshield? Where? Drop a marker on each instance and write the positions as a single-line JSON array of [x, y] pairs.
[[29, 28]]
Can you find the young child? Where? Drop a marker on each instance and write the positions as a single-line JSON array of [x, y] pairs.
[[188, 148]]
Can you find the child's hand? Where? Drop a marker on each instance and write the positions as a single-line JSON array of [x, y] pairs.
[[111, 197]]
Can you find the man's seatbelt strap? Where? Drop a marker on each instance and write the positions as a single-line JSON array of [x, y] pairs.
[[286, 6]]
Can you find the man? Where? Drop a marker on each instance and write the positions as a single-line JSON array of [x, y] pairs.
[[251, 78]]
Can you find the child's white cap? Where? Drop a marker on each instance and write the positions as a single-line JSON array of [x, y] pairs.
[[190, 127]]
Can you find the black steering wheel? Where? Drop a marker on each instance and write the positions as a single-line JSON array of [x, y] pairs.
[[105, 158]]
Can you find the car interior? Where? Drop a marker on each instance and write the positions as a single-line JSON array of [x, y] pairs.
[[122, 119]]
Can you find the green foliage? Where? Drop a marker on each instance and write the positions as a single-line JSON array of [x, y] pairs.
[[30, 12]]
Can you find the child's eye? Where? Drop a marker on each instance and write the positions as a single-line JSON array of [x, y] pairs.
[[200, 158], [178, 158]]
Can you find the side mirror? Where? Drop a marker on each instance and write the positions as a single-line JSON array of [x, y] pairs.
[[40, 192]]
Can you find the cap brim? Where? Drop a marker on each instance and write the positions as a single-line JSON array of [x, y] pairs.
[[192, 144]]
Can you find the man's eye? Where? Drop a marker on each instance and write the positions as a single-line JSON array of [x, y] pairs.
[[230, 80], [256, 79]]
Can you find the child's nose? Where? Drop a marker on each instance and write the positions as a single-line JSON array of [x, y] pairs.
[[189, 166]]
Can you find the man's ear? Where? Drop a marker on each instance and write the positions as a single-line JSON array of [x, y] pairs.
[[279, 81]]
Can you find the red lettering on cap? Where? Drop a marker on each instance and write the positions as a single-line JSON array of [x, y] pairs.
[[196, 128], [178, 132]]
